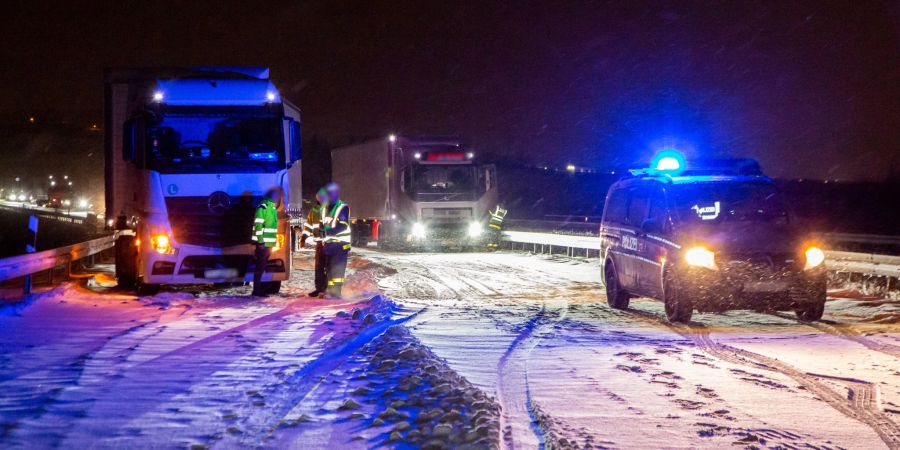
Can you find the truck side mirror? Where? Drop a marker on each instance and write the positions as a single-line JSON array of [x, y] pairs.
[[134, 140], [296, 142], [132, 137]]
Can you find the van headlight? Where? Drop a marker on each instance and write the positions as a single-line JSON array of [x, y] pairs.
[[475, 229], [418, 230], [814, 257], [701, 257]]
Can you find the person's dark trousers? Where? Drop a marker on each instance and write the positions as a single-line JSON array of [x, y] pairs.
[[321, 279], [262, 260], [336, 254]]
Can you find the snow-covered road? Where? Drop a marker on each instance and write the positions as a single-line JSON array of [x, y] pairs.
[[438, 350]]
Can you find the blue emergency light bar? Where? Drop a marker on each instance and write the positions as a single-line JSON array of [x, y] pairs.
[[673, 163]]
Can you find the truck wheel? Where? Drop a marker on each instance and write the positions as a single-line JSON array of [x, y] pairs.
[[615, 296], [147, 290], [271, 287], [813, 311], [126, 262], [678, 305]]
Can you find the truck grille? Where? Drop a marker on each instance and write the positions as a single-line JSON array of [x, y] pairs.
[[760, 265], [195, 223], [446, 213]]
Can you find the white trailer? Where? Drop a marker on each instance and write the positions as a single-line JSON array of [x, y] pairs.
[[423, 191], [189, 155]]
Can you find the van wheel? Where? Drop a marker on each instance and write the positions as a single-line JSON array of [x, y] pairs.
[[615, 296], [813, 311], [679, 307]]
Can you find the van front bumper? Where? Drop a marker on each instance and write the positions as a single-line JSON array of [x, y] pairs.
[[716, 291]]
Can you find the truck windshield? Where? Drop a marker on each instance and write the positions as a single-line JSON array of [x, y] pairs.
[[442, 183], [191, 143], [716, 203]]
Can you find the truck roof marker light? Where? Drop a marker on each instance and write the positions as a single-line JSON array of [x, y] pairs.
[[270, 96], [392, 138], [668, 160], [158, 96]]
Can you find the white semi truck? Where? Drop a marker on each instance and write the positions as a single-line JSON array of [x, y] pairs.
[[420, 192], [189, 155]]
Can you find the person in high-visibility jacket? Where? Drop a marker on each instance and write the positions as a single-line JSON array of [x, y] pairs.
[[495, 224], [336, 218], [265, 236], [313, 229]]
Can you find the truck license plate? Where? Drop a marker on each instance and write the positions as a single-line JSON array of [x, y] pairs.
[[765, 286], [220, 273]]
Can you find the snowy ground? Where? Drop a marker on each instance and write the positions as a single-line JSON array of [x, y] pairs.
[[455, 350]]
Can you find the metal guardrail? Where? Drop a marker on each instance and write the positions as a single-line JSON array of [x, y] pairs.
[[59, 216], [837, 261], [19, 266]]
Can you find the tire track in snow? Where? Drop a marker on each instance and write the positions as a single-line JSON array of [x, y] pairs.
[[843, 331], [861, 404], [513, 392], [308, 378]]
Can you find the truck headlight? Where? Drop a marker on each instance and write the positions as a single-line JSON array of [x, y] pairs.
[[814, 257], [701, 257], [418, 230], [474, 229], [161, 243]]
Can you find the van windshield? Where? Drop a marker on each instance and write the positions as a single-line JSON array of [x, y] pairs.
[[715, 203], [205, 143]]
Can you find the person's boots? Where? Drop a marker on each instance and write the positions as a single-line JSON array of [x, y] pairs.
[[314, 293]]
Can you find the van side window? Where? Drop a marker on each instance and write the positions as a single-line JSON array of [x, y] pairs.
[[616, 206], [638, 206], [658, 206]]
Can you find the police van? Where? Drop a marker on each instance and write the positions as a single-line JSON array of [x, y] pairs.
[[711, 236]]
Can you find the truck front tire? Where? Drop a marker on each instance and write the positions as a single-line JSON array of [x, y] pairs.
[[126, 262]]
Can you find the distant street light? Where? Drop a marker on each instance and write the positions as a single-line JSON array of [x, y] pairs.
[[70, 183], [65, 177], [52, 183], [18, 179], [50, 177]]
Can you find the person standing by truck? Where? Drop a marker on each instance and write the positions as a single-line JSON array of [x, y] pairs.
[[496, 226], [314, 228], [336, 218], [265, 236]]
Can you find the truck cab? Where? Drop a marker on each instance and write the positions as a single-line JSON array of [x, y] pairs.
[[711, 236], [190, 153], [445, 195]]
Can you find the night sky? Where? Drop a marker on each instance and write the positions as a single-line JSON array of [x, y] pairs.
[[812, 89]]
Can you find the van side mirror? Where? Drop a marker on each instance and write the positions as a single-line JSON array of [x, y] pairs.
[[296, 142], [652, 225]]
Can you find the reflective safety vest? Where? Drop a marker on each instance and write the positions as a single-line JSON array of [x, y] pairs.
[[497, 216], [337, 223], [313, 223], [265, 224]]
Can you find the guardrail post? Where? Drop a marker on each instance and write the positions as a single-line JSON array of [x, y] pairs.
[[30, 245]]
